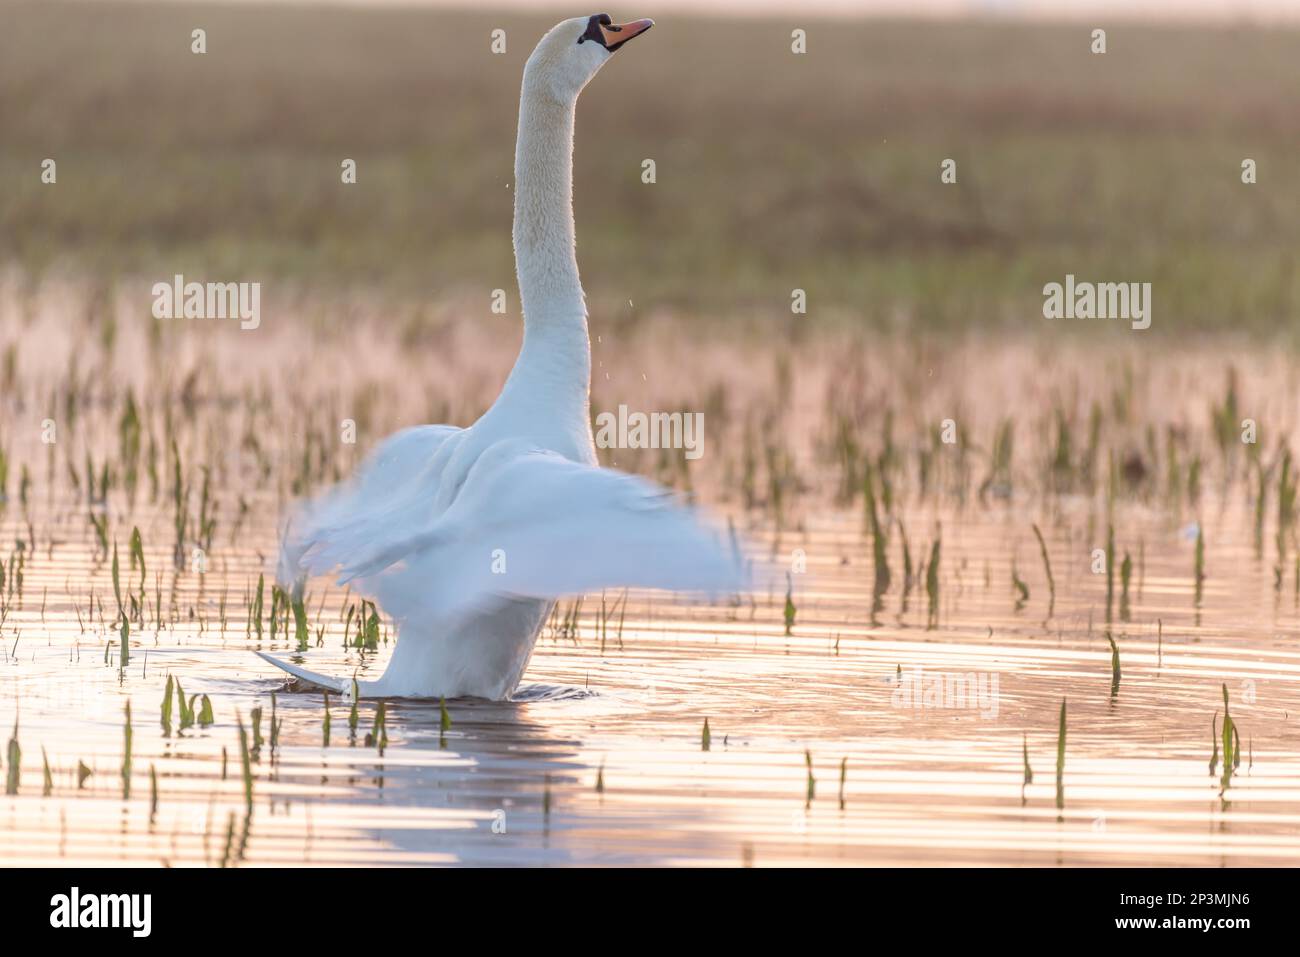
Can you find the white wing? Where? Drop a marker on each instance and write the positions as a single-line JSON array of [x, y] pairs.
[[533, 524], [396, 478]]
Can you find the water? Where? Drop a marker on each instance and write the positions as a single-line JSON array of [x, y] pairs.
[[517, 782]]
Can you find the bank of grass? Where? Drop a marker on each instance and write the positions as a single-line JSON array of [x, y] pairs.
[[774, 171]]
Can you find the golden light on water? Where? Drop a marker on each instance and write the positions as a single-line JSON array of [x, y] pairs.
[[922, 783]]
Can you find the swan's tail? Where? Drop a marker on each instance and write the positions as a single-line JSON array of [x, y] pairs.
[[337, 685]]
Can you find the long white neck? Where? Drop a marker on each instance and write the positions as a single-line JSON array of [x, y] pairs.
[[554, 365]]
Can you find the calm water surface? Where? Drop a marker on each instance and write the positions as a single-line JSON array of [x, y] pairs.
[[600, 760]]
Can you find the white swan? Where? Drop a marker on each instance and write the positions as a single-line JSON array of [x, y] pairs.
[[466, 537]]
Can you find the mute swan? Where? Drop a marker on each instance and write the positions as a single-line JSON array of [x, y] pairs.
[[466, 537]]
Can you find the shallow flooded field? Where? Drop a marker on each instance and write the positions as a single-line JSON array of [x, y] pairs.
[[901, 704], [817, 751]]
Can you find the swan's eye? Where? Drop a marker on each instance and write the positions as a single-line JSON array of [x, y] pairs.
[[593, 31]]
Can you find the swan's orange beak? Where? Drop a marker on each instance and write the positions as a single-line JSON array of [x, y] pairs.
[[616, 34]]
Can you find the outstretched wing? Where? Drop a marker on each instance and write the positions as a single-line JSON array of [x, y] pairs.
[[393, 480], [533, 524]]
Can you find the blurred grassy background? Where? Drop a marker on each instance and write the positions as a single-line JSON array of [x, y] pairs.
[[775, 171]]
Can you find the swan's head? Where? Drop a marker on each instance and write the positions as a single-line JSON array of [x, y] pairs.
[[573, 51]]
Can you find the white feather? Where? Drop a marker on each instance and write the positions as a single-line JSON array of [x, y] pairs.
[[532, 524]]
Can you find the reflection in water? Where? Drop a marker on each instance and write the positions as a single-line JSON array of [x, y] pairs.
[[915, 739]]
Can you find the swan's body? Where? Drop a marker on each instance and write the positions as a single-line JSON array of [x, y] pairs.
[[465, 537]]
